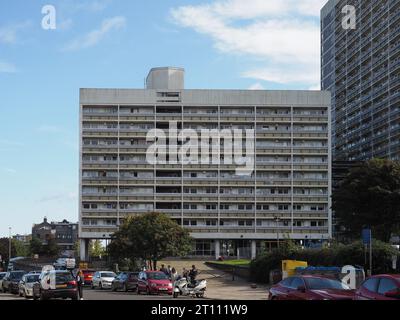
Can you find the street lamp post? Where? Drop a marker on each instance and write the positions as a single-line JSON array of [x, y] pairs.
[[9, 245], [277, 220]]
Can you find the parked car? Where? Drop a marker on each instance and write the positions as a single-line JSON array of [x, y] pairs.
[[125, 281], [380, 287], [103, 279], [154, 282], [88, 276], [307, 287], [55, 284], [2, 275], [25, 287], [11, 281]]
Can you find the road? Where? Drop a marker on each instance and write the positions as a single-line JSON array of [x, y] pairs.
[[89, 294]]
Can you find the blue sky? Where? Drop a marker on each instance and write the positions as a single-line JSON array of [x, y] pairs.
[[224, 44]]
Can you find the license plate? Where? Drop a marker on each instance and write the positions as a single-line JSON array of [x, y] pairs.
[[163, 289], [61, 286]]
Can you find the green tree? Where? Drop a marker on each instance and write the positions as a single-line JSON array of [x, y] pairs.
[[4, 248], [52, 249], [21, 248], [370, 197], [35, 246], [96, 249], [151, 237]]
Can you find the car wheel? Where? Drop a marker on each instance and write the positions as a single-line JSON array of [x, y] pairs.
[[25, 295], [176, 295], [148, 291], [92, 286], [199, 295], [125, 288], [101, 286], [42, 297]]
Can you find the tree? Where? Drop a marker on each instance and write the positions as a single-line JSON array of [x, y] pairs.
[[52, 249], [21, 248], [4, 248], [151, 237], [35, 246], [370, 197], [96, 249]]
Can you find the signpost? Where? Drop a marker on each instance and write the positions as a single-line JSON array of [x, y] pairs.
[[367, 241]]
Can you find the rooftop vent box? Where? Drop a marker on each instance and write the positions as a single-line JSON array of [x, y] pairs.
[[166, 78]]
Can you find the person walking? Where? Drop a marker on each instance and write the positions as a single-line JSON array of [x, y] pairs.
[[169, 270], [80, 282]]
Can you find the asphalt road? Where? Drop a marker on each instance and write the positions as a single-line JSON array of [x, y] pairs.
[[89, 294]]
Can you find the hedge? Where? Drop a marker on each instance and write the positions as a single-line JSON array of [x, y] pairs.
[[336, 255]]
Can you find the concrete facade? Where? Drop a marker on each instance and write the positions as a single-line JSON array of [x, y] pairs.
[[287, 194], [361, 67]]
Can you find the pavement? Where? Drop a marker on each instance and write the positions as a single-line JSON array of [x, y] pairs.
[[219, 284]]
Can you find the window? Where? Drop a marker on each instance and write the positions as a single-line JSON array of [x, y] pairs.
[[297, 282], [371, 284], [287, 282], [386, 285]]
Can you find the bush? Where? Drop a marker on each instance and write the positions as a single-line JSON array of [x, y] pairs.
[[337, 255]]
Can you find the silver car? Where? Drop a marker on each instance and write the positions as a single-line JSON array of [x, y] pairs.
[[26, 285], [103, 279]]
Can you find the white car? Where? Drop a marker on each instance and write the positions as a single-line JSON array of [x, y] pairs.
[[103, 279]]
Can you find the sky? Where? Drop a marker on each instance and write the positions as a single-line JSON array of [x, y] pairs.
[[222, 44]]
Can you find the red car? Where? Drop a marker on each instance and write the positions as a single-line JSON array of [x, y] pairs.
[[154, 282], [88, 276], [310, 287], [380, 287]]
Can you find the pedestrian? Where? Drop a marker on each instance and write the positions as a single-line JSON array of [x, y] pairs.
[[169, 270], [174, 275], [164, 270], [80, 282], [185, 273], [193, 274]]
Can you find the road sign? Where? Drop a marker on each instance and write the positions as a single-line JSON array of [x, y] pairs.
[[366, 236]]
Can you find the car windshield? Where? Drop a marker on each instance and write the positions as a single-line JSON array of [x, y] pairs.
[[320, 284], [32, 278], [108, 275], [157, 276], [16, 275]]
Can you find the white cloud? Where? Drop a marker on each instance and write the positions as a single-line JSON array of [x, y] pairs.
[[95, 36], [281, 35], [256, 86], [6, 67], [9, 34]]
